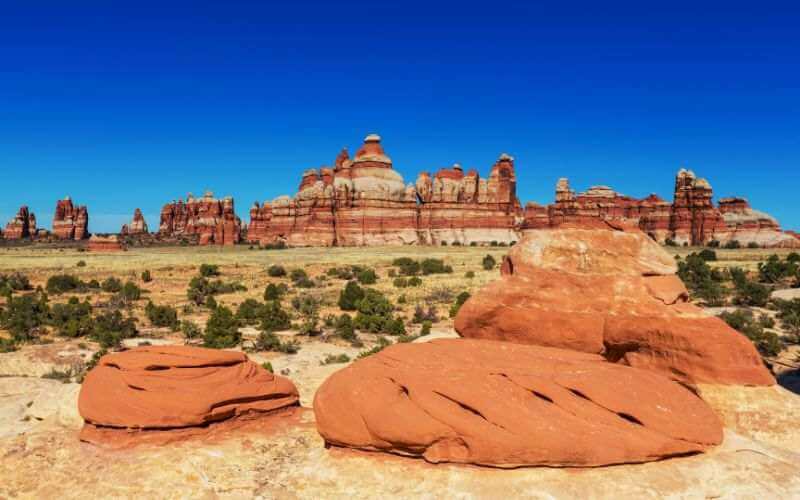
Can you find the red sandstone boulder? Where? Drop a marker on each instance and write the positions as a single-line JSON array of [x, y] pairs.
[[70, 222], [23, 225], [509, 405], [612, 292], [175, 387]]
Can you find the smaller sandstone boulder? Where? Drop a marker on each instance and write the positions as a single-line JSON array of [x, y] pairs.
[[176, 387], [509, 405]]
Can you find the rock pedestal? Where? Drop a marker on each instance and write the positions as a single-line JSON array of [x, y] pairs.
[[22, 226], [213, 221], [70, 222]]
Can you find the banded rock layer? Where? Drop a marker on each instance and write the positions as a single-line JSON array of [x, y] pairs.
[[213, 221], [22, 226], [506, 405], [70, 222]]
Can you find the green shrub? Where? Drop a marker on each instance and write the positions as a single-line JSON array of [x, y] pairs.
[[426, 328], [469, 274], [7, 345], [460, 299], [130, 292], [211, 302], [488, 262], [422, 315], [276, 271], [733, 245], [162, 316], [332, 359], [146, 276], [793, 258], [774, 270], [190, 330], [63, 283], [789, 314], [15, 282], [767, 343], [305, 282], [753, 244], [350, 296], [400, 282], [81, 263], [670, 242], [24, 316], [268, 341], [306, 304], [110, 328], [200, 289], [298, 274], [414, 281], [407, 266], [708, 255], [267, 366], [344, 328], [274, 318], [73, 319], [249, 312], [435, 266], [111, 285], [209, 270], [222, 329], [738, 276], [752, 294], [701, 280], [275, 292], [367, 277], [713, 244]]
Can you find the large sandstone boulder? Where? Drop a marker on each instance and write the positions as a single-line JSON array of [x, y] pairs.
[[509, 405], [612, 291], [176, 387]]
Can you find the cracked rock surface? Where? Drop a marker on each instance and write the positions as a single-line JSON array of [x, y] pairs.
[[509, 405]]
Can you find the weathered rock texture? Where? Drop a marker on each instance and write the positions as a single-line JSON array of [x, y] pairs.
[[364, 201], [70, 222], [459, 208], [611, 291], [107, 243], [213, 221], [690, 219], [138, 225], [506, 405], [23, 225], [175, 387]]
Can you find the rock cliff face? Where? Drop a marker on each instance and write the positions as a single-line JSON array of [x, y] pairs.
[[213, 220], [137, 226], [459, 208], [109, 243], [690, 219], [23, 225], [70, 222], [363, 201]]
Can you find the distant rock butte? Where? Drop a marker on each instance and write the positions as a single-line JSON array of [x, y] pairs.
[[70, 222], [507, 405], [213, 221], [108, 243], [609, 290], [23, 225], [169, 388], [137, 226]]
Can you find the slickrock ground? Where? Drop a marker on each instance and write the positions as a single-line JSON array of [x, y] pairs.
[[41, 457]]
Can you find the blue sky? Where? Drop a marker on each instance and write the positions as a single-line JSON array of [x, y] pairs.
[[132, 105]]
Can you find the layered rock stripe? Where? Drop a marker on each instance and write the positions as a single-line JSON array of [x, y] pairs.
[[610, 291], [508, 405], [176, 387]]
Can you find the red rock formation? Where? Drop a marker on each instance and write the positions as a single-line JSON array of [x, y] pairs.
[[694, 219], [260, 221], [108, 243], [465, 209], [506, 405], [169, 388], [137, 226], [612, 292], [745, 225], [23, 225], [70, 222], [213, 220]]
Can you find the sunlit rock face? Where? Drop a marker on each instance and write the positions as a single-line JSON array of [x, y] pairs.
[[213, 221], [22, 226], [70, 222], [137, 226]]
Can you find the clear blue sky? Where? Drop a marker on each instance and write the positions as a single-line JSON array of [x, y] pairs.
[[126, 104]]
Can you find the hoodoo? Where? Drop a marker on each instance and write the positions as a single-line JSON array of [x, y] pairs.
[[70, 222], [22, 226], [211, 220], [137, 226]]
